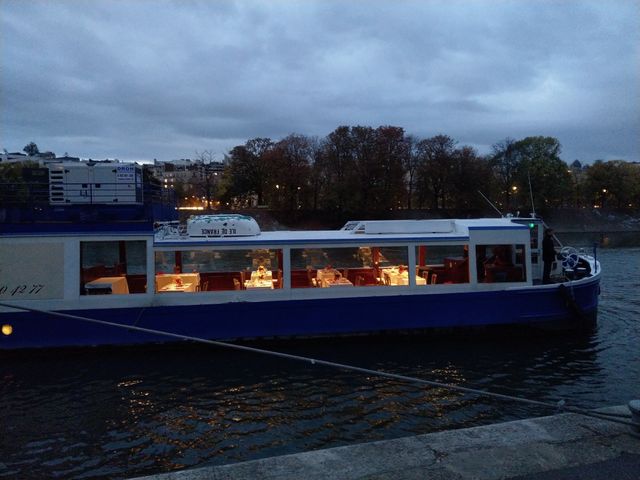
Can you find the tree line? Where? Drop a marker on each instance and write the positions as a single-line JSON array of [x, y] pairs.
[[359, 169]]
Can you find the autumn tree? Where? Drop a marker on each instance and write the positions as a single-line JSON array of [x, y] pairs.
[[316, 181], [391, 153], [288, 165], [612, 184], [337, 172], [246, 174], [367, 182], [362, 169], [470, 173], [504, 164], [539, 165], [435, 170], [207, 181], [411, 164]]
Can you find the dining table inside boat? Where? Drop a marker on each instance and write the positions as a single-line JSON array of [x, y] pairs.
[[399, 276], [336, 282], [258, 283], [260, 278], [261, 274], [330, 277], [175, 287], [116, 285], [179, 282], [326, 273]]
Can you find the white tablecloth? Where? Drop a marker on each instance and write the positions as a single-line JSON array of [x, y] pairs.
[[253, 284], [341, 282], [118, 285], [174, 287], [185, 278], [266, 275]]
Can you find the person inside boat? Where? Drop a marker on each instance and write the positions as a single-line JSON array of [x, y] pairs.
[[548, 255]]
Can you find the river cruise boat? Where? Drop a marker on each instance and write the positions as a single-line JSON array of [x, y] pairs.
[[221, 277]]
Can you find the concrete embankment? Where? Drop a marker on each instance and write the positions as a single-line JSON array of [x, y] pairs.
[[556, 447]]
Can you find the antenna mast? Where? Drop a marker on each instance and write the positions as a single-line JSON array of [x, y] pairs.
[[492, 205], [533, 205]]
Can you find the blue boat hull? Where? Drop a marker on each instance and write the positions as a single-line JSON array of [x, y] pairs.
[[553, 306]]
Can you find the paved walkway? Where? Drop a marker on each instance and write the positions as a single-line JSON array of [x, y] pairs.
[[558, 447]]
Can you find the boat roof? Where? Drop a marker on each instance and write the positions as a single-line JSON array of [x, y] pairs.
[[374, 232]]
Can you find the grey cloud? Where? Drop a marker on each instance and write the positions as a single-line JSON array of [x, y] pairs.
[[163, 79]]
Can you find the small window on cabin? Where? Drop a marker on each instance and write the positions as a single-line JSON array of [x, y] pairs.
[[114, 267], [440, 264], [347, 266], [192, 271], [533, 229], [500, 263]]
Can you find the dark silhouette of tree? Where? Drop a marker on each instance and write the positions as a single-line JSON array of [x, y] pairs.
[[392, 150], [540, 165], [410, 166], [612, 184], [362, 170], [504, 163], [316, 184], [31, 149], [470, 174], [368, 168], [436, 168], [207, 180], [337, 170], [246, 172], [288, 166]]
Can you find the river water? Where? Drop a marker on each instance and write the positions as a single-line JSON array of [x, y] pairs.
[[127, 412]]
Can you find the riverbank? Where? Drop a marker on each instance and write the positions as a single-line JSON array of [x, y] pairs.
[[594, 220], [585, 228], [536, 448]]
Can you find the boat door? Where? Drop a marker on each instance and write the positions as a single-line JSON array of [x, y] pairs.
[[536, 232]]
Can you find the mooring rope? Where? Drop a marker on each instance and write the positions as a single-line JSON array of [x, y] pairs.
[[561, 405]]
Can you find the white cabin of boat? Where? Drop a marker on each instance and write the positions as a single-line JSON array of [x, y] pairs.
[[218, 253]]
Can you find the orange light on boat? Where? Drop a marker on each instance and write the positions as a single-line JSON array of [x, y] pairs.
[[7, 329]]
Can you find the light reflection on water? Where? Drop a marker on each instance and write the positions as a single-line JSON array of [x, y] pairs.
[[128, 412]]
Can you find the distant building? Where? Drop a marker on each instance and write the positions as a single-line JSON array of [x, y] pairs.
[[185, 171], [13, 157], [42, 159]]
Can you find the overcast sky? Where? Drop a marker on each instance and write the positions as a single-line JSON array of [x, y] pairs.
[[138, 80]]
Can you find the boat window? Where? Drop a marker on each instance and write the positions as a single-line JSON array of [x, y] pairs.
[[114, 267], [348, 266], [218, 270], [534, 231], [500, 263], [439, 264]]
